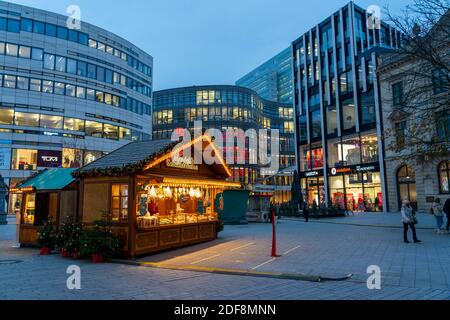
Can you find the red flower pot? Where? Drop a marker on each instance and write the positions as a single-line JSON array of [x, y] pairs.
[[97, 258], [45, 251], [64, 253], [76, 255]]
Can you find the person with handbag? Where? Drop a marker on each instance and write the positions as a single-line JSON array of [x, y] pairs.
[[409, 220], [437, 211]]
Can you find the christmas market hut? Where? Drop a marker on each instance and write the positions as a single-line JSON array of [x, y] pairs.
[[48, 195], [156, 197]]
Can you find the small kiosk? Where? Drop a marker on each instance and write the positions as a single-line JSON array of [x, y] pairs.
[[50, 194], [154, 202]]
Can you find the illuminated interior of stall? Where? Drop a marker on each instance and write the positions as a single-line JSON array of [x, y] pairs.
[[177, 201]]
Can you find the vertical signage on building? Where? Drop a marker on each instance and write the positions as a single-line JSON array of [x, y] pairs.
[[5, 158]]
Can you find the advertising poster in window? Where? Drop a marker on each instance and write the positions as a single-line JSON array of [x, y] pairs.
[[5, 158], [49, 159]]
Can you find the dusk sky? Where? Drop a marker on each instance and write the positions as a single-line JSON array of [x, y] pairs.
[[198, 42]]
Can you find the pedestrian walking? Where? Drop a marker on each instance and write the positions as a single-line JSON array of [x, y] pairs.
[[447, 212], [409, 221], [305, 211], [438, 212]]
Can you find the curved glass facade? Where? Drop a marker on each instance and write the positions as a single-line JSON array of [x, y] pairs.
[[227, 107], [67, 96]]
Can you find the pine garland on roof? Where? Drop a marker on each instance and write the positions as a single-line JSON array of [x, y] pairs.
[[129, 169]]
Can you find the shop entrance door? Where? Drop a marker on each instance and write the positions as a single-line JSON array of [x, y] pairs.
[[406, 182]]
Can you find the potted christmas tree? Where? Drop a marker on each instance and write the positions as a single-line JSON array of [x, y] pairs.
[[99, 242], [46, 237], [68, 238]]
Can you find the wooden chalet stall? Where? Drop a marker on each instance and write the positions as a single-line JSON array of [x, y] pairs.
[[154, 203], [50, 194]]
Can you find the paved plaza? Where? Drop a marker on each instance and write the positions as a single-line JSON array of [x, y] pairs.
[[329, 248]]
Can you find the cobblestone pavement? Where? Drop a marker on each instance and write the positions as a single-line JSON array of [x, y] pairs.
[[409, 271]]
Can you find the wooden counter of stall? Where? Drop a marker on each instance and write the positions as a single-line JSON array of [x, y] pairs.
[[156, 196], [49, 194]]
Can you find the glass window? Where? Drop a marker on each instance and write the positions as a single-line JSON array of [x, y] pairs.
[[443, 125], [22, 83], [70, 90], [83, 38], [92, 44], [351, 150], [73, 124], [62, 33], [337, 192], [397, 93], [73, 35], [100, 74], [47, 86], [50, 30], [26, 25], [2, 48], [369, 148], [60, 64], [110, 132], [124, 134], [368, 115], [92, 71], [9, 81], [108, 76], [90, 94], [37, 54], [316, 131], [72, 66], [108, 98], [2, 24], [49, 61], [119, 205], [348, 114], [444, 177], [91, 156], [23, 159], [52, 122], [35, 85], [38, 27], [101, 46], [6, 116], [99, 96], [25, 52], [331, 120], [72, 158], [82, 68], [94, 129], [12, 49], [335, 153], [59, 88], [13, 25], [81, 92], [26, 119]]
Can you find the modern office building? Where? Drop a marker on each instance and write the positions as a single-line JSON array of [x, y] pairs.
[[67, 96], [229, 107], [273, 79], [338, 110]]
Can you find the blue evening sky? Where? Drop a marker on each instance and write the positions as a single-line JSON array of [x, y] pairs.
[[198, 42]]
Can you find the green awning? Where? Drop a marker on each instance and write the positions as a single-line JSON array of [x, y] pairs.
[[50, 179]]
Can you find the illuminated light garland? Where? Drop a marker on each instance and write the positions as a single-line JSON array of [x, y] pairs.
[[22, 190], [200, 183]]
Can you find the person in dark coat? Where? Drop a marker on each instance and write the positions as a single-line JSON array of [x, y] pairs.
[[447, 213]]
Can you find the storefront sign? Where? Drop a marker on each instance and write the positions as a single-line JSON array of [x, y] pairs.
[[312, 174], [366, 169], [183, 164], [355, 169], [49, 159], [336, 171]]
